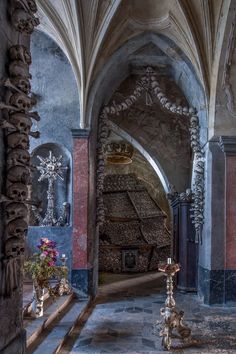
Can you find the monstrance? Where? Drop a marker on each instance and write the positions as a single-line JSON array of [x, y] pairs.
[[50, 168]]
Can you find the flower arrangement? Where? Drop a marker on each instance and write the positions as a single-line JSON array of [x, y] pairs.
[[42, 266]]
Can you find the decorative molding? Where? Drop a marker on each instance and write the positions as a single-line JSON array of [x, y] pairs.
[[80, 133], [148, 84], [228, 144]]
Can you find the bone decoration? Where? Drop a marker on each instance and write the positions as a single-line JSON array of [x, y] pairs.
[[148, 85], [17, 125]]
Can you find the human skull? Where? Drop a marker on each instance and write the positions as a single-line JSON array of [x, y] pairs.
[[32, 5], [14, 247], [18, 157], [18, 140], [20, 101], [21, 122], [16, 210], [20, 52], [18, 68], [22, 84], [16, 228], [17, 192], [24, 21], [19, 174]]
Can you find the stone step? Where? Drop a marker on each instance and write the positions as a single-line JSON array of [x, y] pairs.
[[35, 326], [53, 342], [28, 296]]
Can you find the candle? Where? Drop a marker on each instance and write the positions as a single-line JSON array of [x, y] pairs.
[[168, 260], [63, 256]]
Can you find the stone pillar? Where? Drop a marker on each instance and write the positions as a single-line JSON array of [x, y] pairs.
[[211, 250], [217, 253], [228, 145], [81, 270], [184, 247]]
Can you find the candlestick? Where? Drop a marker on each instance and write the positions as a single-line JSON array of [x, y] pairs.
[[63, 287], [172, 319]]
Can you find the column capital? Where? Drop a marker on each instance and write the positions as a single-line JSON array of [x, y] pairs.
[[228, 144], [80, 133]]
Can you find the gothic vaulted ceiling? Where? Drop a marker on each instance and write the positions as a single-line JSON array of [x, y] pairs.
[[90, 31]]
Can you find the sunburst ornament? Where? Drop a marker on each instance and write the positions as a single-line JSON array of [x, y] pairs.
[[50, 167]]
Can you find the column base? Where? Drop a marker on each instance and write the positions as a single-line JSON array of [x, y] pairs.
[[81, 281], [217, 286], [17, 345]]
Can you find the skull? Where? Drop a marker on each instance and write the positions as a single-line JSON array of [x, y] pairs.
[[18, 157], [20, 101], [18, 68], [16, 228], [18, 140], [14, 247], [22, 84], [17, 192], [20, 52], [16, 210], [32, 5], [19, 174], [24, 21], [21, 122]]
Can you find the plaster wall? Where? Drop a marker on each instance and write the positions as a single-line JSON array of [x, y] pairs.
[[55, 87], [222, 112], [165, 136], [56, 91]]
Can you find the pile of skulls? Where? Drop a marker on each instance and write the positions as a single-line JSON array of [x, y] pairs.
[[17, 122]]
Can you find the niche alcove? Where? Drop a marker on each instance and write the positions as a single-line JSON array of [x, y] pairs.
[[136, 235]]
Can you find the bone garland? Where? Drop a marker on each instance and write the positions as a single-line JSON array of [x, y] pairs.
[[146, 84], [115, 108], [17, 124], [22, 16], [102, 137]]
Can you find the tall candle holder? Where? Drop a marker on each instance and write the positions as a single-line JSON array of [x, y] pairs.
[[172, 319], [63, 287]]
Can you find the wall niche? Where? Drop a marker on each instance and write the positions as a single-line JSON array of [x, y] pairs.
[[61, 233]]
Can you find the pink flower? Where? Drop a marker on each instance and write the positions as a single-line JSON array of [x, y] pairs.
[[42, 256], [51, 264]]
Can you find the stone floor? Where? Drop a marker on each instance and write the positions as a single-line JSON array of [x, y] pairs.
[[126, 319]]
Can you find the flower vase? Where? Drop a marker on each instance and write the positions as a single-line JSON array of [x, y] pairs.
[[37, 302]]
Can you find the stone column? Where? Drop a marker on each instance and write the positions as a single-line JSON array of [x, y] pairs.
[[80, 275], [211, 250], [228, 145], [184, 247]]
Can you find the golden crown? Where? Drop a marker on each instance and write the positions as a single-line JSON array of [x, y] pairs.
[[119, 152]]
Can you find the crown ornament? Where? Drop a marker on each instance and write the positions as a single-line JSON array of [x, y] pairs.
[[119, 153]]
